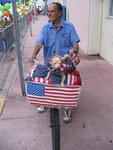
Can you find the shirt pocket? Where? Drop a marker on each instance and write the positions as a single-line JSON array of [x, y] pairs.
[[65, 39], [49, 41]]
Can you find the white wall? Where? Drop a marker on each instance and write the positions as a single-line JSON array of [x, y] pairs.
[[106, 49], [95, 26]]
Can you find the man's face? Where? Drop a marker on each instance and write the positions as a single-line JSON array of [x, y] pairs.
[[53, 13]]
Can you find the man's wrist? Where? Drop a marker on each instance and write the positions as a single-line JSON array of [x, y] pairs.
[[33, 57], [76, 51]]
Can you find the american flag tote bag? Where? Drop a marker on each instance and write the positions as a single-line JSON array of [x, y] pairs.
[[55, 96]]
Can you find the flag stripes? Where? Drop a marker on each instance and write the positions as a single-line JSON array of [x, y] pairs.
[[53, 105], [53, 96], [52, 99], [41, 80]]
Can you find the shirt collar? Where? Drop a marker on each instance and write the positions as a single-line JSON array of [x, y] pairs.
[[61, 23]]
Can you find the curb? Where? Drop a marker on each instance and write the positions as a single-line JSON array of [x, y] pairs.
[[7, 85]]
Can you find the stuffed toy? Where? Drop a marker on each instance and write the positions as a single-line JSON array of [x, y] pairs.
[[69, 62]]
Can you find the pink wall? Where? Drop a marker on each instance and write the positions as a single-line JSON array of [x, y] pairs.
[[80, 19]]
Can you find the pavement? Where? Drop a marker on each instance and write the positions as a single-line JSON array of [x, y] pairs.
[[91, 128]]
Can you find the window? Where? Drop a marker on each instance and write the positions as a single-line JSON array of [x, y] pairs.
[[111, 8]]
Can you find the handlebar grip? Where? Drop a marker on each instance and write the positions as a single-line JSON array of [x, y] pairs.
[[34, 60]]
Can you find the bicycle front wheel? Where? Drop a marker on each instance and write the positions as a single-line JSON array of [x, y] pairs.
[[55, 128]]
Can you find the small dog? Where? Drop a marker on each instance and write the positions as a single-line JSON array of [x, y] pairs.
[[64, 65], [56, 62]]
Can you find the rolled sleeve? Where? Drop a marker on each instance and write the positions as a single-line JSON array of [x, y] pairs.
[[74, 36], [41, 36]]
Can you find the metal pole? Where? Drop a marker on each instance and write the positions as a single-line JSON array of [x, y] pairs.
[[18, 50], [35, 9]]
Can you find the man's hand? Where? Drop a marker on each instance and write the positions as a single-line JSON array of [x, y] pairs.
[[76, 48], [31, 62], [35, 52]]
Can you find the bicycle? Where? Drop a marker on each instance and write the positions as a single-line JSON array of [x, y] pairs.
[[55, 128], [53, 103]]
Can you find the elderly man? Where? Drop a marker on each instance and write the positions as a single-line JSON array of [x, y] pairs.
[[57, 38]]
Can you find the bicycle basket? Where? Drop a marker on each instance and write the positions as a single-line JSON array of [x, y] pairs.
[[55, 96]]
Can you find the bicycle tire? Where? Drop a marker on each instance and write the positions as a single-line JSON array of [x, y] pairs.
[[55, 128]]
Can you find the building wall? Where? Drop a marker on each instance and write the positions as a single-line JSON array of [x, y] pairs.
[[95, 23], [87, 19], [94, 26], [50, 1], [106, 48], [79, 16]]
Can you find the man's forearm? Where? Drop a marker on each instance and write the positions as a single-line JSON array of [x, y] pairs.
[[36, 50]]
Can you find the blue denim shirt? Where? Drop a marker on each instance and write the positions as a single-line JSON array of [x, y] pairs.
[[57, 41]]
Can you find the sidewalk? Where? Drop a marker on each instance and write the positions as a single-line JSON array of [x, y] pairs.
[[91, 128]]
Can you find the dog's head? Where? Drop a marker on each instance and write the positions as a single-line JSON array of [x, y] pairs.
[[55, 62]]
